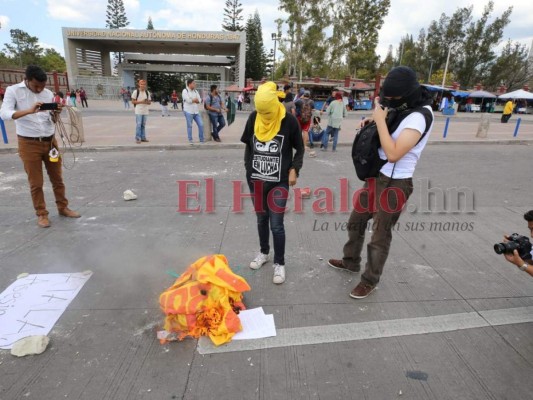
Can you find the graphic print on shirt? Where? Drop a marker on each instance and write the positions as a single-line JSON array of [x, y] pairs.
[[266, 162]]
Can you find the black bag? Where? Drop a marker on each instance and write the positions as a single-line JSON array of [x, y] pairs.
[[365, 146]]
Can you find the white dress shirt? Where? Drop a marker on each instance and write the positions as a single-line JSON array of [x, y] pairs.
[[188, 96], [17, 98]]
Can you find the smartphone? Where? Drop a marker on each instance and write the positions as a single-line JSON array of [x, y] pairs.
[[48, 106]]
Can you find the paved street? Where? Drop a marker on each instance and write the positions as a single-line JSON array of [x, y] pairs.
[[442, 271]]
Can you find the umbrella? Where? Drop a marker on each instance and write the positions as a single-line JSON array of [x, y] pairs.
[[482, 94], [517, 94]]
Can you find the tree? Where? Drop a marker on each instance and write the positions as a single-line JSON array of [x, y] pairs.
[[256, 57], [116, 15], [233, 16], [477, 50], [512, 68], [355, 32], [116, 19], [150, 25], [53, 61], [23, 49]]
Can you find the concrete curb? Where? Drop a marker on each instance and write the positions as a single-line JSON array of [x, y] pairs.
[[212, 146]]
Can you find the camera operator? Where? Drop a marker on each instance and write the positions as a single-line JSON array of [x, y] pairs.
[[514, 258]]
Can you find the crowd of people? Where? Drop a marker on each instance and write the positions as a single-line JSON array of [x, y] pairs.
[[275, 138], [72, 98]]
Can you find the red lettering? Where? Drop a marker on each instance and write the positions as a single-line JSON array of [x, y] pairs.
[[184, 196], [298, 199], [209, 195], [344, 195], [370, 190], [272, 197], [384, 202], [238, 196], [323, 205]]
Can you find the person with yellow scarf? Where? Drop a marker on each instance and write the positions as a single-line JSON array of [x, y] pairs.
[[273, 158]]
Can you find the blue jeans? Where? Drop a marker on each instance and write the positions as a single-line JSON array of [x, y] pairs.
[[198, 119], [266, 216], [217, 122], [140, 129], [330, 131], [316, 137]]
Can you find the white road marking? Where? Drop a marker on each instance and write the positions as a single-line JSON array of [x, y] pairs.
[[374, 330]]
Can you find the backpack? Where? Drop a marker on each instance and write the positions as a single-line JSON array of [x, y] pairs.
[[210, 102], [306, 111], [365, 146], [137, 96]]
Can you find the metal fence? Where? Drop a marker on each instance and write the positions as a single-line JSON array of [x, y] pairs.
[[99, 87]]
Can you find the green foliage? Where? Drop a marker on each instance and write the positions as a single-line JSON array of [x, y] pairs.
[[256, 57], [116, 15], [24, 49], [512, 68], [53, 61], [150, 25], [351, 47], [233, 16]]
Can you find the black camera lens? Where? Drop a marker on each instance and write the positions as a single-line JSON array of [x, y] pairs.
[[499, 248], [506, 248]]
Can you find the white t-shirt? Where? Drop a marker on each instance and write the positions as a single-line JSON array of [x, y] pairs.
[[405, 167], [141, 109]]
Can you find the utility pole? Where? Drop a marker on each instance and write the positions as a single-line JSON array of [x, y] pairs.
[[446, 67]]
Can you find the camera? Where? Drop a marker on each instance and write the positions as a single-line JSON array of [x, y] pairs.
[[516, 242]]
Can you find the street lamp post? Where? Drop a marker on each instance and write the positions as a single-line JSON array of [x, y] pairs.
[[430, 69], [275, 38]]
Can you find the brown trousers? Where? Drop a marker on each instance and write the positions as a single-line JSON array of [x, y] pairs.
[[33, 153], [381, 200]]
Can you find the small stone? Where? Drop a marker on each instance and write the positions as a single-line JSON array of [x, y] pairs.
[[30, 345]]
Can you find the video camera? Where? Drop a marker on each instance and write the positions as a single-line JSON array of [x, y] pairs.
[[516, 242]]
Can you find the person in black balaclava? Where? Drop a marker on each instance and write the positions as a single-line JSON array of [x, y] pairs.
[[403, 135]]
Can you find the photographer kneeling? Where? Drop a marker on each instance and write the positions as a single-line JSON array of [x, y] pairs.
[[517, 248]]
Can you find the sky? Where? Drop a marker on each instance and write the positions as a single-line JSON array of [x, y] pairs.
[[45, 18]]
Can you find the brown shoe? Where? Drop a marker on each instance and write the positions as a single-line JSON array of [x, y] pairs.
[[67, 212], [339, 264], [43, 222], [361, 291]]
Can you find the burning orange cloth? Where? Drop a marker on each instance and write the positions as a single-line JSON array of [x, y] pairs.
[[203, 301]]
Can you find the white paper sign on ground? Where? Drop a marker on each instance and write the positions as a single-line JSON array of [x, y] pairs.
[[255, 325], [32, 305]]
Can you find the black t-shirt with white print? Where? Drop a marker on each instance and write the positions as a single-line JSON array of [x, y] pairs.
[[271, 161]]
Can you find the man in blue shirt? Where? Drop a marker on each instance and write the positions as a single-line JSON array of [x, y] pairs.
[[215, 107]]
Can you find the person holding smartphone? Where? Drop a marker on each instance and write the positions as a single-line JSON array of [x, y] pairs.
[[26, 104]]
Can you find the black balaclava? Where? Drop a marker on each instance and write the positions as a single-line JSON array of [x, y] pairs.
[[400, 81]]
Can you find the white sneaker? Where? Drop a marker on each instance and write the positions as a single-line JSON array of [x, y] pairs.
[[259, 261], [279, 274]]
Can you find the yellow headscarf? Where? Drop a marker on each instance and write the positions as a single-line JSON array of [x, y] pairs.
[[270, 111]]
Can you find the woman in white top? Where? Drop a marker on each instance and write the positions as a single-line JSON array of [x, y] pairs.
[[403, 136]]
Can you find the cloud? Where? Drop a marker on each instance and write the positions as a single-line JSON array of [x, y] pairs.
[[409, 16], [4, 21], [77, 10]]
